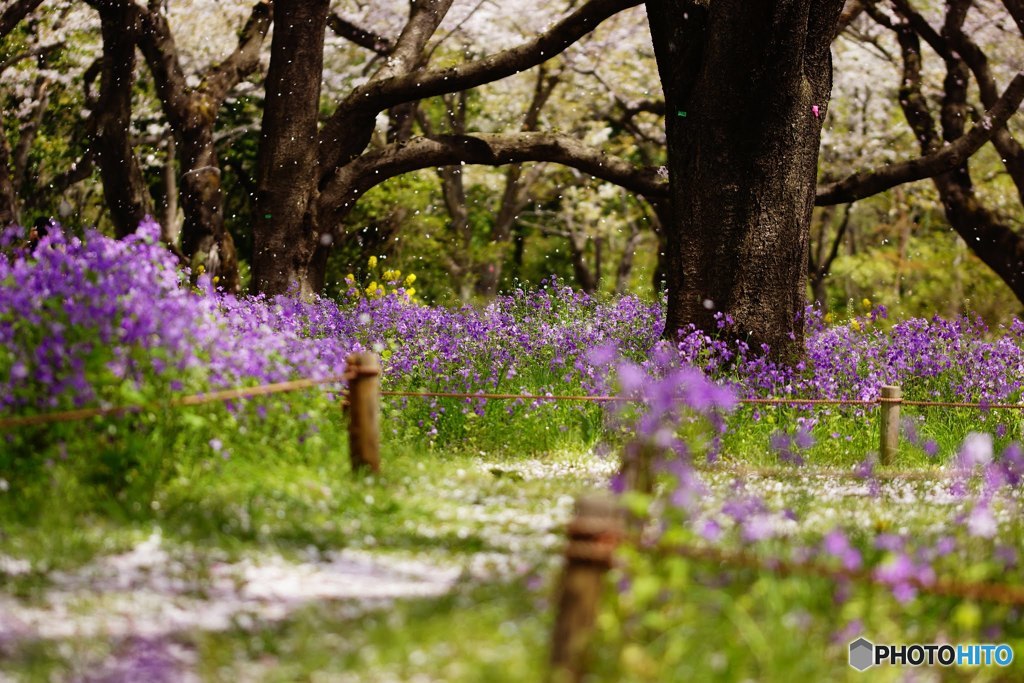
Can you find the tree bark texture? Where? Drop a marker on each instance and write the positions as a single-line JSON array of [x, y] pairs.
[[124, 188], [747, 86], [8, 199], [192, 115], [286, 232]]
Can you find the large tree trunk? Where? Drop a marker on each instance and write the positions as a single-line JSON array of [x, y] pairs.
[[124, 188], [286, 233], [746, 87]]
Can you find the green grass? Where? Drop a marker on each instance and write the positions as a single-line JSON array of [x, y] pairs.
[[487, 496]]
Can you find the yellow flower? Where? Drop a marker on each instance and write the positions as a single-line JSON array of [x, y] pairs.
[[855, 325], [350, 278], [411, 292], [411, 279], [866, 303], [827, 318], [216, 279], [372, 263], [201, 269], [371, 288]]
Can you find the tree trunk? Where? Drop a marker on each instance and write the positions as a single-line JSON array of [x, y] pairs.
[[172, 231], [489, 273], [286, 234], [124, 188], [746, 86], [8, 199], [625, 269], [204, 239], [660, 216], [586, 279], [454, 191]]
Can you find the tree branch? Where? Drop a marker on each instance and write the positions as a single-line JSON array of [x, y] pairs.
[[348, 131], [852, 10], [424, 18], [245, 58], [28, 54], [1003, 140], [1016, 10], [14, 13], [124, 187], [28, 132], [382, 93], [868, 183], [373, 168], [158, 47], [361, 37], [923, 28]]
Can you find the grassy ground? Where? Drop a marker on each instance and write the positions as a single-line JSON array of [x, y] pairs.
[[107, 582], [266, 559]]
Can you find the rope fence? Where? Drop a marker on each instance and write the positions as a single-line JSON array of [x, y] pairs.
[[181, 401], [996, 593], [980, 405], [889, 401], [600, 524]]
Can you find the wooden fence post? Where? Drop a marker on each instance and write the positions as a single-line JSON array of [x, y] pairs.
[[637, 469], [593, 534], [363, 373], [889, 423]]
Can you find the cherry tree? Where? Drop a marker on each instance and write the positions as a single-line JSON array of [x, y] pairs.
[[303, 197], [354, 94], [978, 43]]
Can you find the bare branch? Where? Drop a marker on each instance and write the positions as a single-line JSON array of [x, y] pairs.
[[1016, 10], [76, 172], [868, 183], [923, 28], [246, 57], [14, 13], [424, 18], [386, 92], [852, 10], [372, 168], [352, 122], [1009, 149], [29, 130], [361, 37], [28, 54], [158, 47]]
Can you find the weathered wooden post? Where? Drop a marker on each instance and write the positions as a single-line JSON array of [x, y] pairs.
[[363, 374], [593, 535], [889, 423]]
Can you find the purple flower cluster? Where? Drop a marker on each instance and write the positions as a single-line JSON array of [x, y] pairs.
[[666, 430], [101, 320], [94, 319], [930, 359]]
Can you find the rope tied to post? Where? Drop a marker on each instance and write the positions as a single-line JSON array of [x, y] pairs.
[[593, 540]]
